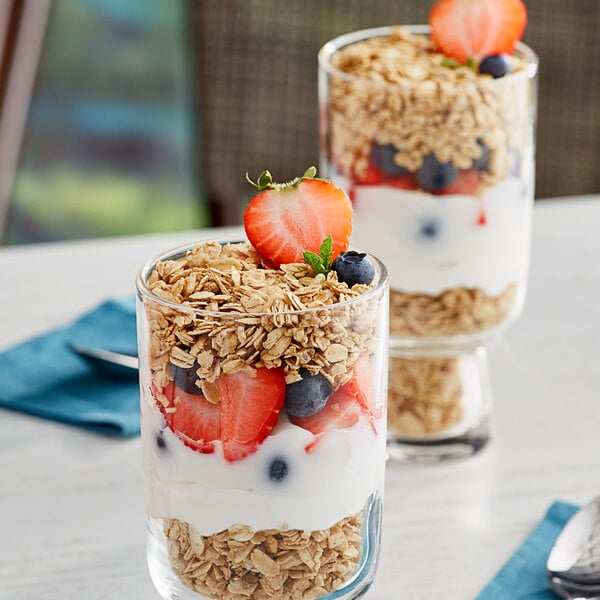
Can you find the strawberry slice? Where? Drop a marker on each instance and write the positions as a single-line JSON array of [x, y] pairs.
[[466, 183], [361, 387], [195, 420], [403, 182], [250, 408], [285, 220], [474, 29], [372, 176], [481, 217], [341, 412]]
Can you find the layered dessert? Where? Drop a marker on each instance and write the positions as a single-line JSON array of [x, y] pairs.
[[263, 404], [431, 133]]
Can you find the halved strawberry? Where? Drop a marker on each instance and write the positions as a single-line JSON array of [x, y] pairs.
[[250, 408], [466, 183], [285, 220], [192, 417], [474, 29]]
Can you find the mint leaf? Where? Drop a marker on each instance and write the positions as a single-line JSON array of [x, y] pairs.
[[450, 62], [321, 263], [314, 260], [326, 251]]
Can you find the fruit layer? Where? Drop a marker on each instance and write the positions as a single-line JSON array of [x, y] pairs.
[[435, 243], [319, 489]]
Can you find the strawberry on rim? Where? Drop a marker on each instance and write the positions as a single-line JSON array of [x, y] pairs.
[[470, 30], [286, 219]]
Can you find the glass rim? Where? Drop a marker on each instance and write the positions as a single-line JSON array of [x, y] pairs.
[[329, 49], [143, 292]]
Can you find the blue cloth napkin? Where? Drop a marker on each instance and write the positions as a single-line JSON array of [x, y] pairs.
[[523, 577], [44, 377]]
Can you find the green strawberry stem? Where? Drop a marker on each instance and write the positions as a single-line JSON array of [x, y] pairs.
[[265, 181]]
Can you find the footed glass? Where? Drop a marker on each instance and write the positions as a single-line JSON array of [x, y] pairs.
[[244, 498], [439, 163]]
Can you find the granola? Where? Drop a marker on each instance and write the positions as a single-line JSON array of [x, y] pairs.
[[240, 563], [399, 90], [424, 395], [283, 327], [457, 311]]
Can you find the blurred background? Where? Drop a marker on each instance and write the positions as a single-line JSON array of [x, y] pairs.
[[132, 116], [108, 140]]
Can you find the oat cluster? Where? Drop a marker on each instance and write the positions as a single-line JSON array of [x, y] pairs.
[[249, 320], [424, 395], [399, 91], [457, 311], [239, 563]]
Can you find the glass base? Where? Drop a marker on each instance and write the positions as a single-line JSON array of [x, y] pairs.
[[439, 406], [422, 451], [170, 586]]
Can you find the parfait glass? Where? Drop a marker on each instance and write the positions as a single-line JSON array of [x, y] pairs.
[[243, 498], [439, 163]]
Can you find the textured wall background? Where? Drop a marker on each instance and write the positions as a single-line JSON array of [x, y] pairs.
[[256, 73]]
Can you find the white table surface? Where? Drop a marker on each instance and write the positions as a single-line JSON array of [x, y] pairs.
[[71, 504]]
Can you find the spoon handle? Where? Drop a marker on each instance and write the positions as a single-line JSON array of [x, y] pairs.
[[108, 362]]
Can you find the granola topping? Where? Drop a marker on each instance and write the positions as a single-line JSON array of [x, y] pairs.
[[399, 90], [283, 328]]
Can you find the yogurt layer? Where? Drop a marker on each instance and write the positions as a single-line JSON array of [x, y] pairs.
[[434, 243], [321, 488]]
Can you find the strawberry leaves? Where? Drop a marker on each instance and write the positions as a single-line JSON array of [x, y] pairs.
[[265, 180]]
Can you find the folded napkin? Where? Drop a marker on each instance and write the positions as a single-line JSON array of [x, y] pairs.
[[523, 577], [44, 377]]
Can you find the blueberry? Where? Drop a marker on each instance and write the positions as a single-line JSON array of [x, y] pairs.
[[482, 163], [434, 175], [353, 267], [496, 65], [308, 396], [185, 379], [430, 229], [160, 441], [278, 469], [383, 158]]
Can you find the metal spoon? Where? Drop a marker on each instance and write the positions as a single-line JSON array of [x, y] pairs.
[[114, 364], [573, 567]]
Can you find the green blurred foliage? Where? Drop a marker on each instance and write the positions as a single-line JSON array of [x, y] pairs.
[[110, 142]]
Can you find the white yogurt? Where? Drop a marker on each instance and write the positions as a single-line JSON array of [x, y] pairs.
[[457, 252], [321, 488]]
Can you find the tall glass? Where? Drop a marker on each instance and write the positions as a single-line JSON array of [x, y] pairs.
[[439, 163], [244, 498]]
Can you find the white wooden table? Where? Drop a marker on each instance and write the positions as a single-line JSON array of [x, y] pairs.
[[71, 506]]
